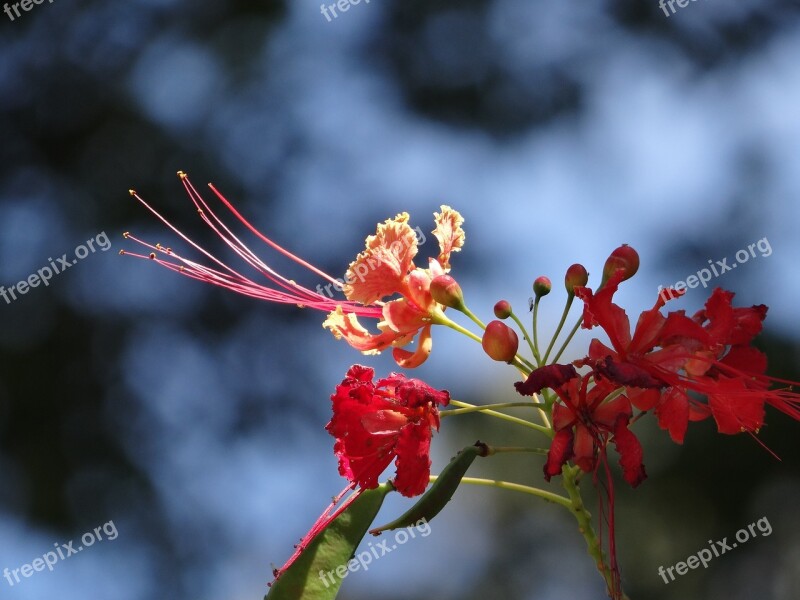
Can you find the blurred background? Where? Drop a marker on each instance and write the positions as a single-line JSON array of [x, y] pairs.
[[194, 418]]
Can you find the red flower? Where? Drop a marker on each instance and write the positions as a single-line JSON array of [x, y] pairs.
[[375, 423], [666, 357], [585, 422]]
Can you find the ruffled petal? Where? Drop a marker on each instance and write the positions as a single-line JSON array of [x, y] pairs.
[[630, 452], [673, 414], [449, 233], [626, 373], [560, 452], [550, 376], [380, 270], [346, 326], [413, 460]]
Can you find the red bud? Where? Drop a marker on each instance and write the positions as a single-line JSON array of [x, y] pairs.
[[577, 276], [625, 258], [542, 286], [502, 310], [446, 291], [500, 342]]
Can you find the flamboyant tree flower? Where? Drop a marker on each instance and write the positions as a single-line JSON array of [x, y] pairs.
[[386, 269], [375, 423], [585, 420], [667, 357]]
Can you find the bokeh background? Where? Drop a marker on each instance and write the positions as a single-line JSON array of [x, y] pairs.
[[193, 418]]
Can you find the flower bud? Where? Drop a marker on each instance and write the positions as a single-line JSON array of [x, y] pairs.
[[542, 286], [625, 258], [500, 342], [446, 291], [576, 276], [502, 310]]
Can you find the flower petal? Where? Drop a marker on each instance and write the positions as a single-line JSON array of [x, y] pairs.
[[626, 373], [560, 452], [402, 317], [630, 452], [584, 448], [346, 326], [411, 360], [673, 414], [413, 460], [384, 422], [735, 408], [380, 270], [449, 233], [598, 309], [550, 376]]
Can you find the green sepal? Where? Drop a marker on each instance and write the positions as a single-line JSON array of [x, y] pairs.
[[439, 494]]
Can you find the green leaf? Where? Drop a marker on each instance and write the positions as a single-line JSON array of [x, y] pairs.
[[334, 547], [439, 494]]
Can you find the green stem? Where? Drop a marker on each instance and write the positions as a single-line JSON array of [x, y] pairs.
[[501, 449], [535, 330], [568, 340], [584, 518], [492, 413], [472, 316], [481, 407], [516, 487], [456, 327], [524, 365], [560, 326], [533, 345]]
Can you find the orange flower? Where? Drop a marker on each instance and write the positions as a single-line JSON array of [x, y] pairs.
[[386, 268]]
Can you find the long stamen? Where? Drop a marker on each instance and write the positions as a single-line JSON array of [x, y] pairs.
[[266, 240], [288, 292]]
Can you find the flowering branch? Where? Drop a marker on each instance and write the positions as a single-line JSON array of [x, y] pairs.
[[676, 367]]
